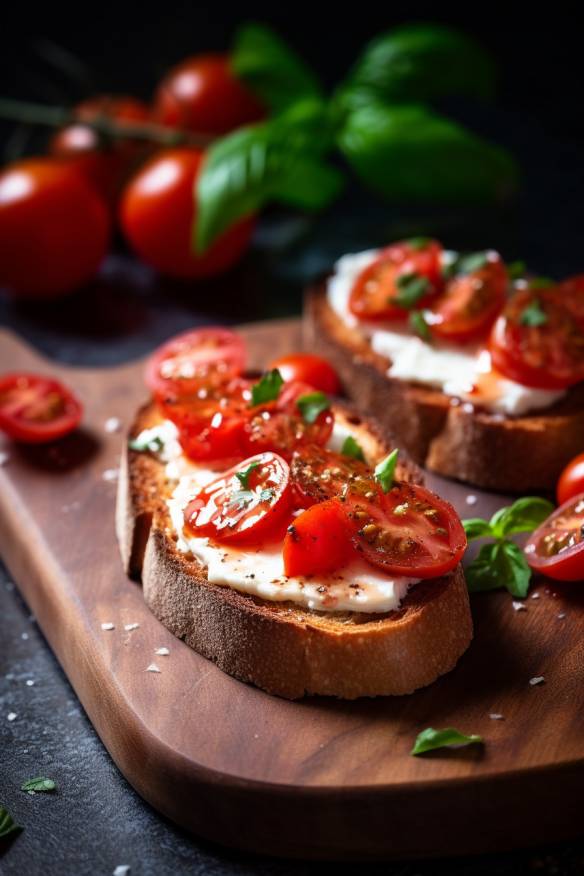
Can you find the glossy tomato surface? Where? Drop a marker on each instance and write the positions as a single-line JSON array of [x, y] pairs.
[[308, 368], [571, 480], [202, 94], [571, 293], [546, 355], [403, 275], [248, 504], [318, 541], [54, 228], [105, 161], [319, 474], [556, 548], [35, 409], [157, 213], [470, 302]]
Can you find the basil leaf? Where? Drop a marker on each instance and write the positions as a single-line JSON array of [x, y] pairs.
[[517, 269], [471, 262], [243, 476], [385, 471], [278, 160], [524, 515], [418, 243], [312, 405], [271, 69], [7, 824], [352, 448], [418, 324], [37, 785], [408, 152], [533, 314], [419, 62], [267, 389], [154, 445], [411, 287], [475, 527], [430, 740], [501, 564]]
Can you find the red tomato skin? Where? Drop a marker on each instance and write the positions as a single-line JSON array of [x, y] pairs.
[[568, 567], [106, 164], [495, 279], [31, 434], [571, 480], [308, 368], [202, 94], [54, 228], [318, 541], [157, 211]]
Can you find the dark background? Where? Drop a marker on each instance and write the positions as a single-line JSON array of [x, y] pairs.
[[96, 821]]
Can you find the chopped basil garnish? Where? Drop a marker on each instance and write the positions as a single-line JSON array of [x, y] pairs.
[[312, 405], [267, 389], [418, 243], [385, 470], [38, 785], [143, 444], [502, 563], [267, 495], [419, 325], [517, 269], [430, 740], [533, 314], [352, 448], [7, 823], [243, 476], [411, 287], [468, 264]]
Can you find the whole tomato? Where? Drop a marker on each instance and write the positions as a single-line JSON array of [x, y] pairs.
[[202, 94], [54, 228], [157, 212], [105, 161]]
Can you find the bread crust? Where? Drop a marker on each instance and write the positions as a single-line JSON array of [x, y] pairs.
[[509, 454], [281, 647]]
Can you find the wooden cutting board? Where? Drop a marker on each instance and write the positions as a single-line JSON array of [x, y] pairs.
[[316, 778]]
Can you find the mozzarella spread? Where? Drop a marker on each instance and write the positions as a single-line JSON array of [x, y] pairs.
[[260, 571], [460, 371]]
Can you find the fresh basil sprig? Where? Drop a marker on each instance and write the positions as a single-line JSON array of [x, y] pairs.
[[268, 388], [7, 824], [430, 740], [312, 405], [385, 471], [502, 562], [38, 785], [352, 448]]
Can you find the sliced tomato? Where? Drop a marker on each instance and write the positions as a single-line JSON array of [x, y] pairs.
[[35, 409], [470, 302], [196, 362], [403, 267], [408, 531], [318, 541], [571, 294], [556, 548], [279, 425], [308, 368], [319, 474], [549, 355], [248, 504], [571, 480]]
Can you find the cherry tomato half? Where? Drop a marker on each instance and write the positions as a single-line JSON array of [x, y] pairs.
[[319, 474], [549, 355], [556, 548], [54, 228], [106, 162], [470, 302], [157, 213], [35, 409], [408, 531], [202, 94], [571, 480], [405, 271], [310, 369], [318, 541], [248, 504]]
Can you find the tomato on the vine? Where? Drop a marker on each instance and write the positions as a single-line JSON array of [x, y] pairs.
[[470, 302], [35, 409], [202, 94], [54, 228], [556, 548], [157, 213]]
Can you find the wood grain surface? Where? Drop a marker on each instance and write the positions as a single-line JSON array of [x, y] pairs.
[[316, 778]]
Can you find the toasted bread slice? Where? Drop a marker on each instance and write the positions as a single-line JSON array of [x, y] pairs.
[[279, 646], [511, 454]]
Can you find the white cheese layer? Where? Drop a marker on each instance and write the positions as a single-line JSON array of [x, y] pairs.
[[460, 371], [260, 571]]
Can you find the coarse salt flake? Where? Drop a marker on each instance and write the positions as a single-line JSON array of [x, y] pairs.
[[152, 668], [4, 457], [562, 615], [162, 652], [111, 475], [471, 499], [496, 716], [11, 716], [129, 627], [112, 424], [108, 626], [30, 682], [122, 870], [536, 596], [519, 606], [537, 679]]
